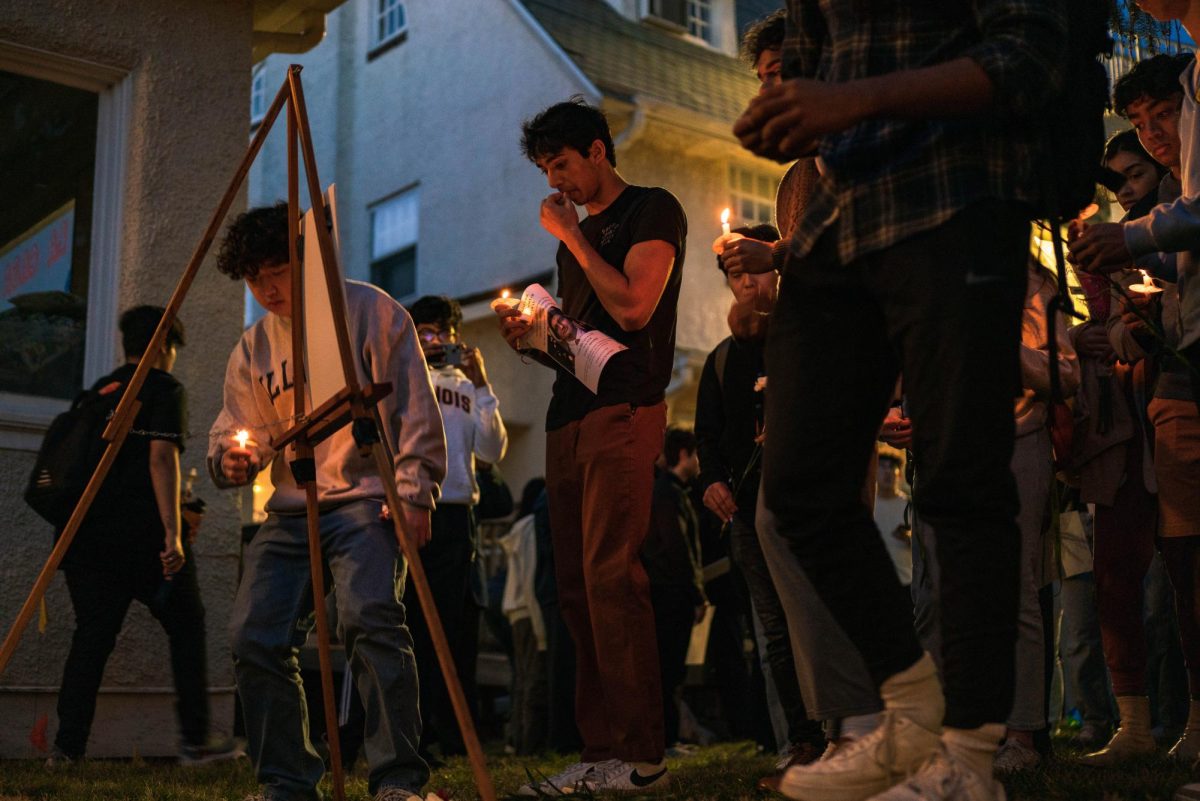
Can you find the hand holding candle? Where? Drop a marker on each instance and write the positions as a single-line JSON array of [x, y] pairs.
[[238, 463], [1146, 287], [726, 236], [514, 324], [505, 303]]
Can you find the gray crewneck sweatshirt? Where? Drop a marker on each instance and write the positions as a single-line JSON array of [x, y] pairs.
[[259, 398]]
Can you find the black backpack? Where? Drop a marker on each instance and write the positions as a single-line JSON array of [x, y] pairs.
[[70, 451]]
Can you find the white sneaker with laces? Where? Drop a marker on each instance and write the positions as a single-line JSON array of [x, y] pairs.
[[942, 778], [618, 776], [864, 767], [564, 782]]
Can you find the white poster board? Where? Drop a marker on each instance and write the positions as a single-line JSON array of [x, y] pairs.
[[322, 359]]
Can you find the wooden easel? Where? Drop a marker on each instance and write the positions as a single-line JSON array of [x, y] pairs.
[[353, 405]]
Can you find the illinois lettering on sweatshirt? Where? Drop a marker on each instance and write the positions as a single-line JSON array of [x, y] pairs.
[[259, 397], [471, 417]]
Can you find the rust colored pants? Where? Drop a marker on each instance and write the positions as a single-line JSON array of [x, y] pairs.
[[599, 479]]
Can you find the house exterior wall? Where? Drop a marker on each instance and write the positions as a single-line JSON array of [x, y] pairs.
[[186, 64], [441, 111]]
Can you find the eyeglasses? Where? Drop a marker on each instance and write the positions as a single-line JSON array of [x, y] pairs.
[[430, 334]]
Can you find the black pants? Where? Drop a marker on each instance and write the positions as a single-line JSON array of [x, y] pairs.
[[101, 597], [674, 614], [447, 560], [943, 308], [747, 553]]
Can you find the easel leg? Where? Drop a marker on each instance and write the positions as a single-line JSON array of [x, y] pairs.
[[416, 574], [318, 586]]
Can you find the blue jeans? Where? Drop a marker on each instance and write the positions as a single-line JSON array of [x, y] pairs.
[[265, 630]]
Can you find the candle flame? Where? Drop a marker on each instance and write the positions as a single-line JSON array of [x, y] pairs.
[[505, 294], [1146, 279], [725, 216], [242, 436]]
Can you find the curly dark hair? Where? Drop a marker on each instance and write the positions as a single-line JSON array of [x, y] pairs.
[[255, 239], [436, 310], [572, 123], [763, 34], [1156, 78]]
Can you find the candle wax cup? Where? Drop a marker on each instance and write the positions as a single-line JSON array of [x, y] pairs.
[[505, 303]]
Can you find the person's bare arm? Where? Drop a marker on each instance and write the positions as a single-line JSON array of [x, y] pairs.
[[164, 478], [630, 297]]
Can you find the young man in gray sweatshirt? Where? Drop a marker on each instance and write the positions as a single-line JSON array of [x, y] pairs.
[[358, 545]]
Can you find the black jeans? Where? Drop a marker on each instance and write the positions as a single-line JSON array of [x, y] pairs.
[[100, 597], [448, 561], [943, 308], [747, 553], [674, 614]]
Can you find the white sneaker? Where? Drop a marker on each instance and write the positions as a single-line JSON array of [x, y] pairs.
[[564, 782], [617, 776], [942, 778], [864, 767]]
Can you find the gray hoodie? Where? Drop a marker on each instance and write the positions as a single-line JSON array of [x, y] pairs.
[[1175, 227], [259, 398]]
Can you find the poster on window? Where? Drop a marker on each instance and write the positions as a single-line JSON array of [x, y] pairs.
[[39, 260]]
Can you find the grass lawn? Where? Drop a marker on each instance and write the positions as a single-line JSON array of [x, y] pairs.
[[717, 773]]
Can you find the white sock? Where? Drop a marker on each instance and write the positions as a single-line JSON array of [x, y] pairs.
[[857, 726], [974, 748]]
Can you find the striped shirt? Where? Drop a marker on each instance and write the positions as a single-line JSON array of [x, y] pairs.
[[886, 180]]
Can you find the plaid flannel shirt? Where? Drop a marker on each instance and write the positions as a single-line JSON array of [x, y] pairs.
[[888, 179]]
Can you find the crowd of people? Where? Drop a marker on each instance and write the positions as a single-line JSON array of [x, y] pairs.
[[907, 448]]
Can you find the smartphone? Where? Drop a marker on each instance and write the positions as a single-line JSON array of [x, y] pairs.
[[452, 354]]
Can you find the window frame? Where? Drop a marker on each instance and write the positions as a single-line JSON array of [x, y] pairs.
[[376, 44], [737, 195], [258, 94], [25, 418], [693, 20], [401, 252]]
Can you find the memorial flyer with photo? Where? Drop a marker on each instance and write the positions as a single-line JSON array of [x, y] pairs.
[[577, 348]]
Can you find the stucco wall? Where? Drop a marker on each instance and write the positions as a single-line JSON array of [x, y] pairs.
[[441, 110], [188, 63]]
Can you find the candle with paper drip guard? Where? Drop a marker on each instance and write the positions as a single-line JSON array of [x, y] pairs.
[[725, 223], [1146, 287], [505, 301]]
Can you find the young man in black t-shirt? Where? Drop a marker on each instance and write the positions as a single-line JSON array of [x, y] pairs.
[[619, 271], [132, 546]]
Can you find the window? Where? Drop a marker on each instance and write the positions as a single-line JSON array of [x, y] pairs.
[[700, 19], [394, 244], [388, 22], [258, 97], [751, 196], [49, 134]]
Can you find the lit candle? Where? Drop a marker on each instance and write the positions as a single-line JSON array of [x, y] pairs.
[[725, 223], [505, 301], [242, 437], [1147, 286]]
